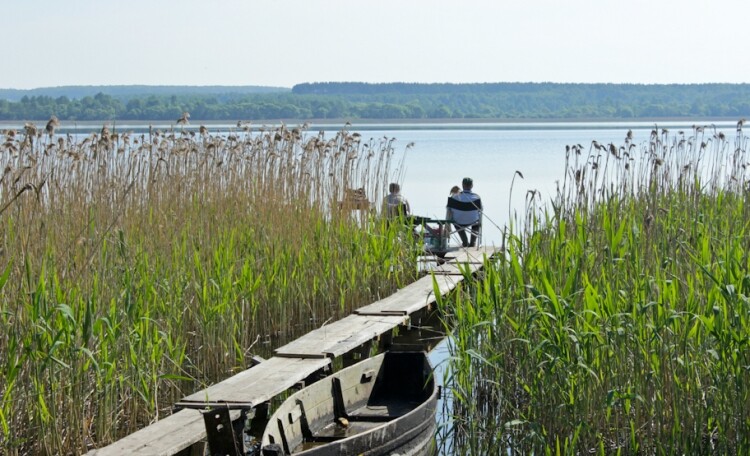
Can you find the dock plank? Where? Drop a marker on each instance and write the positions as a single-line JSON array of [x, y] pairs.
[[413, 297], [340, 336], [472, 255], [448, 269], [417, 294], [258, 384], [186, 427], [165, 437]]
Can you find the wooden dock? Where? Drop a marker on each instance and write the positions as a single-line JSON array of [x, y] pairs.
[[299, 362]]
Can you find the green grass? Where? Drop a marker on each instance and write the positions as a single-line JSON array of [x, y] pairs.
[[618, 322], [137, 269]]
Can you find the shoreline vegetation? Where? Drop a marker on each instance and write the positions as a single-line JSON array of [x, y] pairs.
[[618, 322], [362, 125], [393, 101], [137, 269]]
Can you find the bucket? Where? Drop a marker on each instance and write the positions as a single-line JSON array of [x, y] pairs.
[[436, 241]]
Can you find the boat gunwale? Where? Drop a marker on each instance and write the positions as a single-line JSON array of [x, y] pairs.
[[429, 400]]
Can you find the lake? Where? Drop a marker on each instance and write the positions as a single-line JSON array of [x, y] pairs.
[[492, 153]]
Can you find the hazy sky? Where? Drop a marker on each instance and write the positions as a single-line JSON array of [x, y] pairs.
[[281, 43]]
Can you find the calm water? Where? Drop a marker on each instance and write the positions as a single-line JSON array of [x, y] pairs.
[[491, 155]]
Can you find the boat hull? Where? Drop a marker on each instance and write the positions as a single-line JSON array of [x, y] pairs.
[[383, 405]]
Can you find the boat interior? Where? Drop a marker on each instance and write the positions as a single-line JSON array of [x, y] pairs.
[[358, 399]]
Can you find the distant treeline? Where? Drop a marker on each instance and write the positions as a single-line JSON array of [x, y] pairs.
[[126, 92], [397, 101]]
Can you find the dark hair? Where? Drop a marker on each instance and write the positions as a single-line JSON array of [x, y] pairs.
[[467, 181]]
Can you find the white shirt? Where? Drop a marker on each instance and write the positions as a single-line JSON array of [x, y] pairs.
[[391, 204]]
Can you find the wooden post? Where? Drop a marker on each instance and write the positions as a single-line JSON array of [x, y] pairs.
[[223, 437]]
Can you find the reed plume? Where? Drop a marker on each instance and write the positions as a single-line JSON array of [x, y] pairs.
[[184, 120], [51, 125]]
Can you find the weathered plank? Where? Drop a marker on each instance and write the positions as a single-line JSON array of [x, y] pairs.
[[458, 267], [165, 437], [413, 297], [257, 385], [186, 427], [451, 269], [340, 336], [472, 255]]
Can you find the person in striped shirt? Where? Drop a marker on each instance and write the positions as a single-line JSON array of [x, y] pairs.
[[465, 211]]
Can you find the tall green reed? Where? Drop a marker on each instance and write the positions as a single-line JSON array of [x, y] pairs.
[[137, 268], [617, 320]]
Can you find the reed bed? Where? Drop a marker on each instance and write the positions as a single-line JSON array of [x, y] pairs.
[[618, 321], [138, 268]]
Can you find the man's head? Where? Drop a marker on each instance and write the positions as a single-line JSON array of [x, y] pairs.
[[467, 183], [394, 188]]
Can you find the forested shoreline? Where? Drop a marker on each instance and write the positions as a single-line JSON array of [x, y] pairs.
[[351, 100]]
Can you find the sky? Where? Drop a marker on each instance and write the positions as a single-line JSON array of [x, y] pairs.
[[281, 43]]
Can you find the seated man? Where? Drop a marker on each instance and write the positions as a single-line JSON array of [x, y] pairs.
[[394, 204], [465, 211]]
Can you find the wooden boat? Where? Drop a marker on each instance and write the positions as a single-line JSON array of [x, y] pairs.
[[383, 405]]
